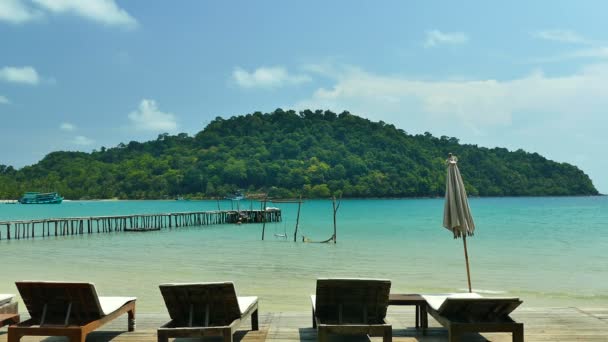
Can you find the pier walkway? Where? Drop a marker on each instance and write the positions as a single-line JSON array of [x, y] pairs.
[[24, 229], [541, 324]]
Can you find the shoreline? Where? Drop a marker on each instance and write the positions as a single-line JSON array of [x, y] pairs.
[[14, 201]]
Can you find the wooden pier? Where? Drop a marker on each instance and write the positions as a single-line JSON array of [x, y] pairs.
[[25, 229]]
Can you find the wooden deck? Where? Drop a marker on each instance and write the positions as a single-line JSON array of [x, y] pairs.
[[541, 324]]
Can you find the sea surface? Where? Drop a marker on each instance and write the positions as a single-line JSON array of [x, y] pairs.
[[548, 251]]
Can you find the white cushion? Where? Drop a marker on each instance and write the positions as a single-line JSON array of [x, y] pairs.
[[6, 298], [378, 279], [246, 302], [194, 284], [111, 304], [436, 300]]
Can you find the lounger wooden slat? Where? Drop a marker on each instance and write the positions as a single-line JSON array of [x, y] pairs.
[[351, 307], [205, 309], [67, 309]]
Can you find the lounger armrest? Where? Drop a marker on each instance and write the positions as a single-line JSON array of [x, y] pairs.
[[111, 304], [245, 303]]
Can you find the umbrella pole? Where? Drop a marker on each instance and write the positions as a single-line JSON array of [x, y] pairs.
[[466, 258]]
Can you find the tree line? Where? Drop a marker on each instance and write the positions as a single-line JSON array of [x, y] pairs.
[[315, 154]]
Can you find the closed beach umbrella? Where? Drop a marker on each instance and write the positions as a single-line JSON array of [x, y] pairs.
[[456, 213]]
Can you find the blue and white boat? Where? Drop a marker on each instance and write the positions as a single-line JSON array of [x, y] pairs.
[[40, 198]]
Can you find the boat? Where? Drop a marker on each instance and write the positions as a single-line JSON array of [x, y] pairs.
[[236, 196], [41, 198]]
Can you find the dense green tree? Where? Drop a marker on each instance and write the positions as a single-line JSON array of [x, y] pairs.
[[287, 154]]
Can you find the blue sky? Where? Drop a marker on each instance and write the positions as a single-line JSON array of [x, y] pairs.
[[78, 75]]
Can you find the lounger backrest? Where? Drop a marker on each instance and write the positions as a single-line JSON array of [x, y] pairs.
[[78, 302], [478, 308], [343, 301], [201, 304]]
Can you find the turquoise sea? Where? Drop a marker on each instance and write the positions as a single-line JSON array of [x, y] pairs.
[[548, 251]]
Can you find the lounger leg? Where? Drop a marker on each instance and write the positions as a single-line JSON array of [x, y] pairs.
[[131, 319], [322, 335], [227, 335], [254, 320], [453, 334], [162, 337], [387, 335], [314, 321], [424, 319], [13, 336], [78, 336], [518, 333]]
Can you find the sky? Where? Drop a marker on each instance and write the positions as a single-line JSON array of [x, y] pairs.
[[533, 75]]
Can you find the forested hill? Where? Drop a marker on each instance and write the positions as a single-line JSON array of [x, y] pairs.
[[285, 154]]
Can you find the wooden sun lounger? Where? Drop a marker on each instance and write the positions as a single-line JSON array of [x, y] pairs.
[[472, 313], [205, 309], [351, 307], [67, 309]]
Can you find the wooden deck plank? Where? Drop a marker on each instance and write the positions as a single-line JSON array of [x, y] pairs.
[[541, 324]]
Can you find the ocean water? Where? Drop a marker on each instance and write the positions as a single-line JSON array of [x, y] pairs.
[[548, 251]]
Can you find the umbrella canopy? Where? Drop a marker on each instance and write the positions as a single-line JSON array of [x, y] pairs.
[[457, 214]]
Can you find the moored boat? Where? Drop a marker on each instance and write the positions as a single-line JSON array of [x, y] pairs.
[[237, 196], [41, 198]]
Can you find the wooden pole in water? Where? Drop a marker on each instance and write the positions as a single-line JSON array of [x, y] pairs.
[[295, 233], [466, 258], [264, 219], [335, 213]]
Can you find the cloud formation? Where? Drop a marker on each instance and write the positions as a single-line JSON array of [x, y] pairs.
[[23, 75], [148, 117], [16, 12], [589, 48], [475, 104], [68, 127], [435, 38], [103, 11], [561, 35], [82, 141], [267, 77]]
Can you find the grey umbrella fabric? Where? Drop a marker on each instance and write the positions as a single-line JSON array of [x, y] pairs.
[[456, 212]]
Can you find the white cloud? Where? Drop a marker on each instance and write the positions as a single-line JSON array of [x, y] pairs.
[[16, 12], [149, 118], [474, 104], [103, 11], [66, 126], [25, 75], [4, 100], [436, 37], [82, 141], [592, 49], [267, 77], [560, 35]]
